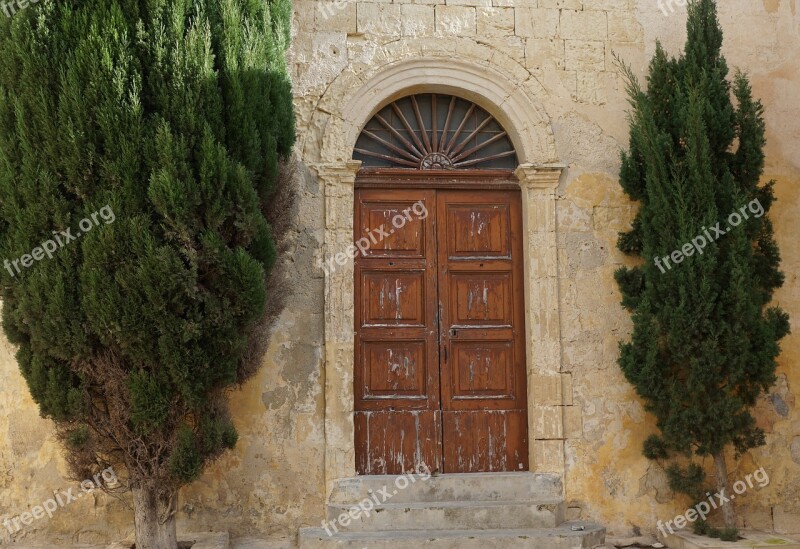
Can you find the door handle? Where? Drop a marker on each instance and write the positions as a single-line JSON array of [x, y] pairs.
[[453, 332], [445, 353]]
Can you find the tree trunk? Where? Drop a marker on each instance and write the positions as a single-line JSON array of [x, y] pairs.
[[728, 512], [151, 533]]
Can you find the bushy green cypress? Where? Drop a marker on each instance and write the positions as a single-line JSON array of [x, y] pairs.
[[167, 120], [705, 340]]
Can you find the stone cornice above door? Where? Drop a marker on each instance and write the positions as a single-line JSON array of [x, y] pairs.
[[540, 176]]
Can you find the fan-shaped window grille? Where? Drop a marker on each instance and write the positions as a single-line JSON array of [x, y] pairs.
[[434, 132]]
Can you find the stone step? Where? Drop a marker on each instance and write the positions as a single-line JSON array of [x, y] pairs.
[[449, 515], [523, 486], [562, 537]]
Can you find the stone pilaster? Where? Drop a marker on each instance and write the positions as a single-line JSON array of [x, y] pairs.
[[546, 384], [337, 181]]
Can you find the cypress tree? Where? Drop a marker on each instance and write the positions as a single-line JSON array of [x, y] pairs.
[[704, 339], [140, 145]]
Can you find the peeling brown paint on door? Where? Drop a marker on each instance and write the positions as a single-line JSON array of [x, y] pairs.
[[483, 380], [440, 356]]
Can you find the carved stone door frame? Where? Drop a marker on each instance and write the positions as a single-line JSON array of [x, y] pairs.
[[549, 390]]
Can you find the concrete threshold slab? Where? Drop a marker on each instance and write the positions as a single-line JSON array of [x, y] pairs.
[[259, 543], [50, 545], [753, 539], [200, 540]]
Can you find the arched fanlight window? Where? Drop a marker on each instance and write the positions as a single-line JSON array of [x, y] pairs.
[[434, 132]]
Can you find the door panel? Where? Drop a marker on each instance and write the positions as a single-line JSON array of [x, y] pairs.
[[482, 300], [394, 298], [483, 441], [377, 211], [440, 357], [397, 409], [395, 369], [478, 230], [394, 442], [482, 369], [484, 390]]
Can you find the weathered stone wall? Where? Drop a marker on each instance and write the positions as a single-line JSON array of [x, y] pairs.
[[268, 486], [561, 51], [566, 47]]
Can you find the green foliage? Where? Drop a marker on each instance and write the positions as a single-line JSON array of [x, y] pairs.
[[186, 461], [150, 401], [78, 437], [702, 528], [655, 448], [217, 433], [727, 534], [705, 341], [174, 114], [688, 480]]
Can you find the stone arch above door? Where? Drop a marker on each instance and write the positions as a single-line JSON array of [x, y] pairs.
[[434, 131], [507, 91], [459, 66]]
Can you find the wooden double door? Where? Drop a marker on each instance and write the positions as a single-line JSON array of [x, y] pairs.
[[439, 373]]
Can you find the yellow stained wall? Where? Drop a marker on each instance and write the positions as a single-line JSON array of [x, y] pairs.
[[273, 482]]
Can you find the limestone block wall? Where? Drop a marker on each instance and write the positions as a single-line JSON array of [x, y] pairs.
[[560, 53], [565, 50]]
